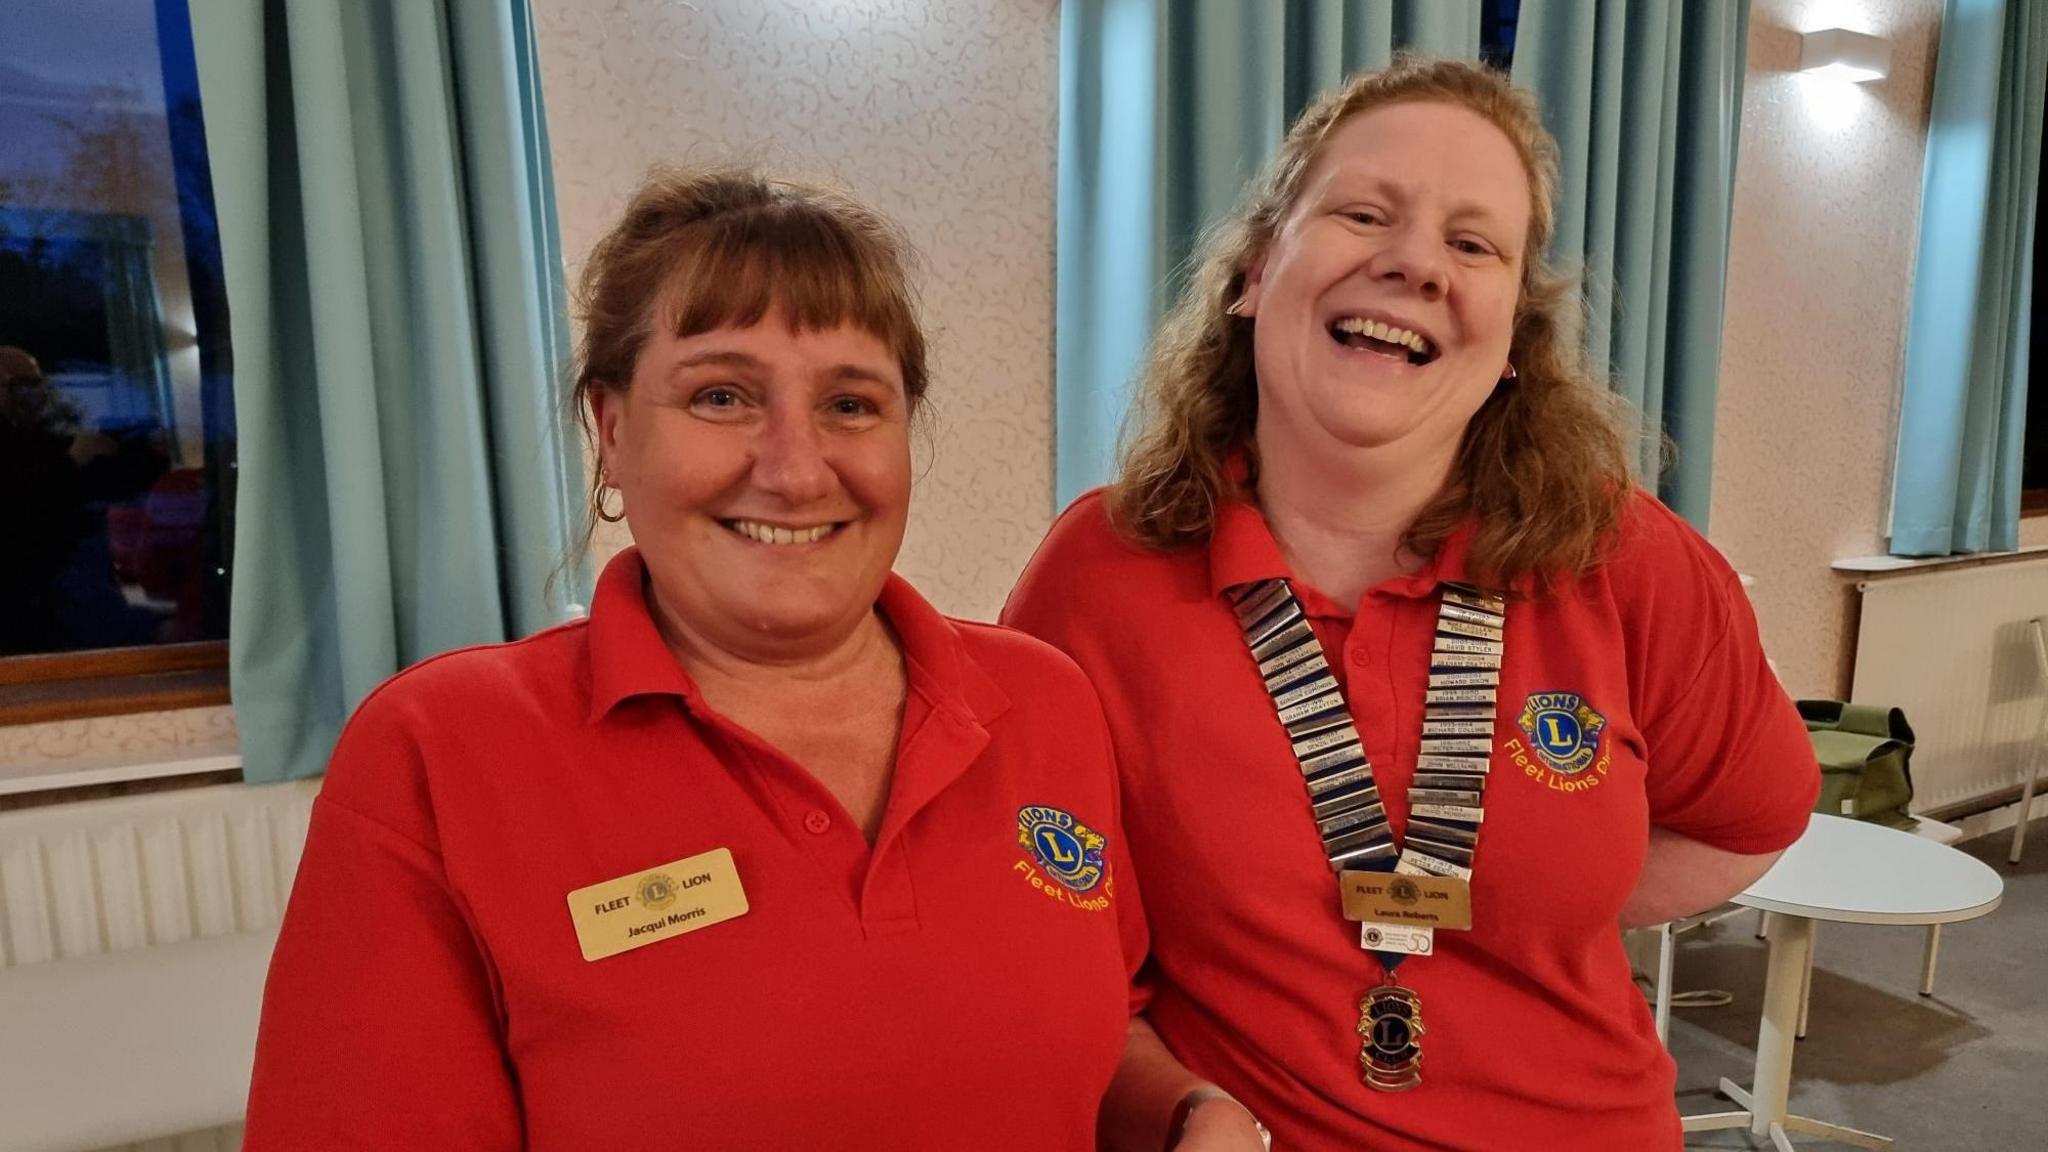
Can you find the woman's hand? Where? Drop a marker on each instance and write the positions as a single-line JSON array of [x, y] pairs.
[[1149, 1095]]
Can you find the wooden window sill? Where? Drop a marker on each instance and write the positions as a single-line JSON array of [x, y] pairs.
[[85, 699], [118, 682]]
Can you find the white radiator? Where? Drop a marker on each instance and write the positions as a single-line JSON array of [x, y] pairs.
[[1950, 646], [111, 875], [86, 891]]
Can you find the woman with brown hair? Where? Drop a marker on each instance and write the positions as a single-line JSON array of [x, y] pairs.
[[1416, 696], [766, 853]]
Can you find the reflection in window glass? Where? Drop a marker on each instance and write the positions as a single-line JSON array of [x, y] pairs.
[[1498, 20], [117, 433]]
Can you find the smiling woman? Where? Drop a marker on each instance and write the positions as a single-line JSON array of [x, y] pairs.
[[1374, 592], [768, 832], [1407, 353], [766, 473], [1539, 466]]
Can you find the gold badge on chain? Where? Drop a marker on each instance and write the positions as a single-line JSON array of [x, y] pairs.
[[1390, 1028]]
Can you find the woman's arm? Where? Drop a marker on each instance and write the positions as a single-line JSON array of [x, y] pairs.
[[381, 1026], [1682, 876], [378, 1026], [1730, 773], [1149, 1086]]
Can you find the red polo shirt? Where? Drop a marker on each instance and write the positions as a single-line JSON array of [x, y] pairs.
[[946, 989], [1536, 1036]]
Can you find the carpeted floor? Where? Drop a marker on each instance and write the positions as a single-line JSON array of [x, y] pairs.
[[1966, 1068]]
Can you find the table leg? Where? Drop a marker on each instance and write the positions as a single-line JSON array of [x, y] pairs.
[[1928, 958], [2019, 828], [1715, 1121], [1806, 983], [1791, 951], [1854, 1137], [1667, 945], [1762, 1106]]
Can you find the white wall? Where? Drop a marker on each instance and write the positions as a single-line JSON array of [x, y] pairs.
[[943, 114], [1827, 201]]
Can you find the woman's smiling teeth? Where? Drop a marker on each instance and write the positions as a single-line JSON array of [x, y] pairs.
[[771, 534], [1358, 332]]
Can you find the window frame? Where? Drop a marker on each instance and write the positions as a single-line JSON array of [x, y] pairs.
[[150, 678], [100, 682]]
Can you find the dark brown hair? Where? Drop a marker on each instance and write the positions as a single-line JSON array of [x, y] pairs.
[[1543, 465], [699, 251]]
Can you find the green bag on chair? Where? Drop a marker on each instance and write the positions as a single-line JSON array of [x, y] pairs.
[[1865, 754]]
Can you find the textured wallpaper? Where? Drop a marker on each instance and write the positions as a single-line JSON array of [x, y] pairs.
[[184, 734], [942, 113], [1827, 202]]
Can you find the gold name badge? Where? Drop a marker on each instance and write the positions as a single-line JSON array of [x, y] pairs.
[[1395, 898], [666, 900]]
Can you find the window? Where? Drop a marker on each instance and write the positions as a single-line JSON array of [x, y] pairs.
[[117, 432], [1497, 21]]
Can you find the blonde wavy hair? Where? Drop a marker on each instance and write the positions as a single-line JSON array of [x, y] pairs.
[[1543, 467]]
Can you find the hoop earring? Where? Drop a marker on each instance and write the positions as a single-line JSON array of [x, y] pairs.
[[1236, 307], [597, 507], [1509, 375]]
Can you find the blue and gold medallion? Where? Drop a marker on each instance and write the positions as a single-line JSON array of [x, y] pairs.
[[1068, 850], [1563, 730], [1390, 1030]]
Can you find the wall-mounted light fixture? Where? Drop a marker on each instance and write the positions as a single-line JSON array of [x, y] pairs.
[[1844, 55]]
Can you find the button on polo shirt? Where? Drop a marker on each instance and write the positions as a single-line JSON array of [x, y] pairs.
[[943, 987]]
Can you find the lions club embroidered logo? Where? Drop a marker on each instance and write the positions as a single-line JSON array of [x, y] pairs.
[[1563, 730], [1069, 851]]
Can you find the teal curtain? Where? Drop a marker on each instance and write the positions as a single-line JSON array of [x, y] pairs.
[[1963, 409], [1644, 97], [1167, 108], [406, 479]]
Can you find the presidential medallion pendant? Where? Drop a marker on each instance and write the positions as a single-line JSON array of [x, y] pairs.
[[1390, 1034]]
